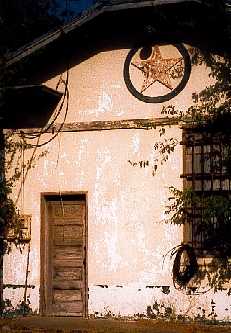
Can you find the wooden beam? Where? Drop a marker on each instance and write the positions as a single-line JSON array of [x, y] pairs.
[[107, 125]]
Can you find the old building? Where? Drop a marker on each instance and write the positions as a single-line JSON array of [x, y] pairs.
[[95, 202]]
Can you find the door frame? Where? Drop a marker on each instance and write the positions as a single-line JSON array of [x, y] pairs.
[[44, 198]]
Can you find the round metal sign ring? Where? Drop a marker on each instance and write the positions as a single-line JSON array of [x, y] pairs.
[[161, 98]]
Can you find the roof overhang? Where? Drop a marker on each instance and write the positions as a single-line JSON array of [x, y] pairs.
[[27, 106], [98, 9]]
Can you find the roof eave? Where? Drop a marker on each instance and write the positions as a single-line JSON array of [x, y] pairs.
[[96, 10]]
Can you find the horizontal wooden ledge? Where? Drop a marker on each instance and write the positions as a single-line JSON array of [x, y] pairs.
[[102, 125], [206, 176]]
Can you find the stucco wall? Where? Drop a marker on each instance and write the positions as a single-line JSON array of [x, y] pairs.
[[98, 92], [127, 239]]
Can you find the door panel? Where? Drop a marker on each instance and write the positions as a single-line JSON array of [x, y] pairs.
[[68, 234], [66, 263]]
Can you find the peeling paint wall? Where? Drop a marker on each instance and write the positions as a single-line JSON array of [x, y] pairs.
[[127, 238]]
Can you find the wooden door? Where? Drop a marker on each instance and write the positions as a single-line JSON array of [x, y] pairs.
[[65, 290]]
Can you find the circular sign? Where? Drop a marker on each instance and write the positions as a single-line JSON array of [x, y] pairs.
[[157, 73]]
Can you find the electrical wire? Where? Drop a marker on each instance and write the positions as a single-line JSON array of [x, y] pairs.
[[31, 136], [182, 278], [65, 97], [37, 145], [27, 170], [57, 113], [177, 279], [46, 128], [38, 136], [23, 171], [27, 274], [60, 127], [57, 167]]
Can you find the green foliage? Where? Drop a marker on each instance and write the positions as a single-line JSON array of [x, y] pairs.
[[211, 112], [161, 311], [214, 101], [211, 207], [179, 202], [21, 309], [166, 147], [16, 167], [217, 272]]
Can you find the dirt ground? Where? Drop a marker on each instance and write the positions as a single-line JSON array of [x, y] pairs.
[[38, 324]]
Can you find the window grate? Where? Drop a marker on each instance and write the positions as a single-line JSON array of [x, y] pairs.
[[205, 171]]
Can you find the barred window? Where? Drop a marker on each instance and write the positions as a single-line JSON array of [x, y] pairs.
[[206, 172]]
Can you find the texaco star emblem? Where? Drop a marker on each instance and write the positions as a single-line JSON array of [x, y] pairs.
[[170, 72], [156, 68]]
